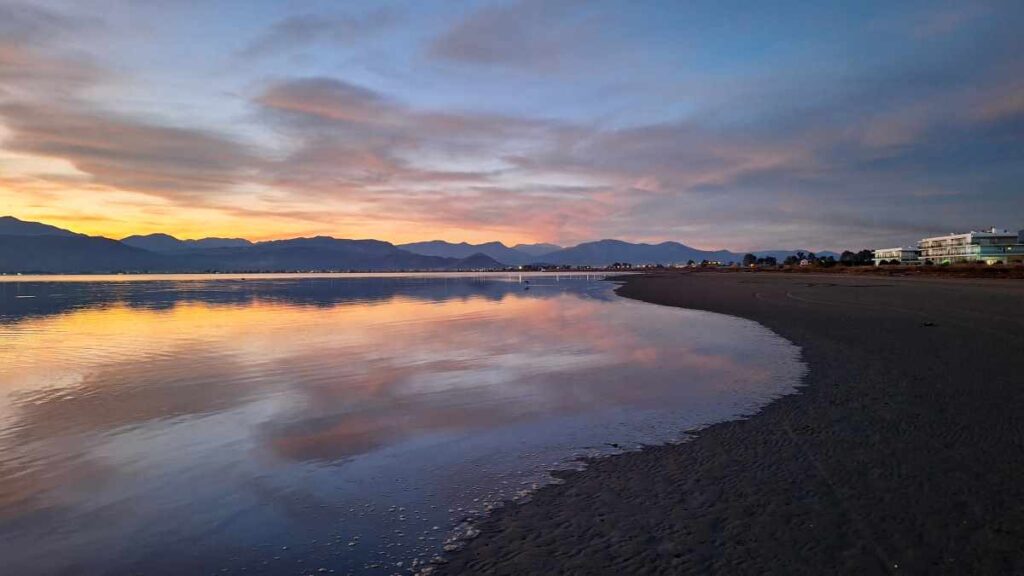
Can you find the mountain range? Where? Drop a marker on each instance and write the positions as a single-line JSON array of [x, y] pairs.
[[598, 253], [536, 249], [496, 250], [167, 244], [37, 247]]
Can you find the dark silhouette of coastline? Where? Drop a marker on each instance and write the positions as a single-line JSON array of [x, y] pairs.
[[36, 248]]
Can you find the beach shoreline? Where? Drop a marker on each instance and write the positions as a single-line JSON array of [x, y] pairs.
[[901, 452]]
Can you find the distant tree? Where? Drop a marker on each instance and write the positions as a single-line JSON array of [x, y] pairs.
[[749, 260], [690, 262], [704, 263], [862, 258], [800, 256], [828, 261], [768, 262], [792, 260]]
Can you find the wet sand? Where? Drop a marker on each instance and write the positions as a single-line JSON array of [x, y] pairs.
[[903, 453]]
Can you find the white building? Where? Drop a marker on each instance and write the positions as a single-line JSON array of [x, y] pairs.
[[991, 246], [902, 255]]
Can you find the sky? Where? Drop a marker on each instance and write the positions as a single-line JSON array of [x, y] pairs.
[[720, 124]]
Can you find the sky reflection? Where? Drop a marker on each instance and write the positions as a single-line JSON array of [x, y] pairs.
[[161, 425]]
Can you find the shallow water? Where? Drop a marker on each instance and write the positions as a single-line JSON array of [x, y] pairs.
[[346, 424]]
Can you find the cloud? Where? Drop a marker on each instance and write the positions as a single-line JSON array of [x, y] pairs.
[[568, 181], [27, 23], [526, 34], [434, 168], [327, 99], [128, 153], [1002, 103], [359, 145], [29, 67], [550, 211], [44, 113], [304, 29], [804, 151], [25, 74], [349, 134], [940, 22]]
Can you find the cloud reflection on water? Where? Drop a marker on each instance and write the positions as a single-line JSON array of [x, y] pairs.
[[106, 388]]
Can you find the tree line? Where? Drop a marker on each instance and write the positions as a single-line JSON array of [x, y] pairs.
[[847, 258]]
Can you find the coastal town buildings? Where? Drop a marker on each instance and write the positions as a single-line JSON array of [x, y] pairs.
[[992, 246], [902, 255]]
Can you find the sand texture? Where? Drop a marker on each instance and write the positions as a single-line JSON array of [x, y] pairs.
[[903, 452]]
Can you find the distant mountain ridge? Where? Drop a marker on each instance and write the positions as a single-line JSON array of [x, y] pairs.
[[478, 261], [538, 249], [9, 225], [608, 251], [63, 254], [605, 252], [495, 250], [36, 247], [169, 244], [27, 247]]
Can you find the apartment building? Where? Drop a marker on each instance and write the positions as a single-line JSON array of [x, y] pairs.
[[990, 246], [902, 255]]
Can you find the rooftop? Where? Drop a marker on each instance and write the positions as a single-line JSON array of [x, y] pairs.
[[989, 232]]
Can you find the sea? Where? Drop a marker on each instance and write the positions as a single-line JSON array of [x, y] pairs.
[[340, 424]]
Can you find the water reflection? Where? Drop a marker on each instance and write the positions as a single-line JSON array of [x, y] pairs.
[[292, 425]]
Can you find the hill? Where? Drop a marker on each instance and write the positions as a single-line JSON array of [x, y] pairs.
[[476, 262], [52, 254], [318, 253], [604, 252], [495, 250], [36, 247], [29, 247], [169, 244], [539, 249], [11, 226]]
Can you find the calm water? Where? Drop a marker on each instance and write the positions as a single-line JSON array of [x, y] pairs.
[[289, 425]]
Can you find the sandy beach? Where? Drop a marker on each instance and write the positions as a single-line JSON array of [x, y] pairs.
[[902, 453]]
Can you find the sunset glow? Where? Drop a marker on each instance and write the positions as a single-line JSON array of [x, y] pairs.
[[515, 121]]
